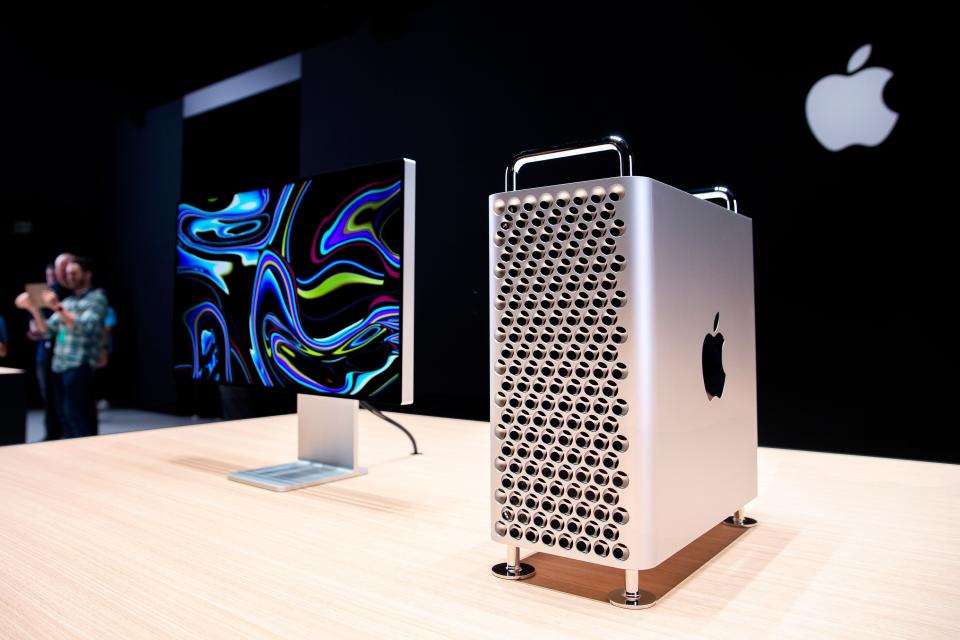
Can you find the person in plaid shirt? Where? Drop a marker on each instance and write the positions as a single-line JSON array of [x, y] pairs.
[[77, 330]]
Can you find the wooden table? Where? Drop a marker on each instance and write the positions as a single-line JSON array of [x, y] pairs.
[[141, 535]]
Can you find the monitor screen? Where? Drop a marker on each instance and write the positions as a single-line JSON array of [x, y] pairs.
[[306, 286]]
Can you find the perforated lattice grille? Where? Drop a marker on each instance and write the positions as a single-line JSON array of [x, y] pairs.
[[558, 370]]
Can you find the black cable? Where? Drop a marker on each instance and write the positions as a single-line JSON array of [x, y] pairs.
[[372, 409]]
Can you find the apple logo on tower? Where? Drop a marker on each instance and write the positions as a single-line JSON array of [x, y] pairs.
[[712, 359], [845, 110]]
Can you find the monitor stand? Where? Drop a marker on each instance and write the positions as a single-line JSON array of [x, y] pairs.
[[327, 448]]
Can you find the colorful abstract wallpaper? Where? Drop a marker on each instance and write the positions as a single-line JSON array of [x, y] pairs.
[[297, 287]]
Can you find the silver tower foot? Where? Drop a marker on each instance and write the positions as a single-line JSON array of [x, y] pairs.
[[513, 569], [738, 520], [631, 597]]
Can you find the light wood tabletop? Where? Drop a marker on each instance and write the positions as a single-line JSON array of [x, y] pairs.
[[141, 535]]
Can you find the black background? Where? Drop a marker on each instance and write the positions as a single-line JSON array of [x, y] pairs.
[[853, 249]]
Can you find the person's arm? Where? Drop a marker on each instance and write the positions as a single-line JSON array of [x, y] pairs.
[[67, 317], [33, 332], [44, 326], [104, 358], [107, 328]]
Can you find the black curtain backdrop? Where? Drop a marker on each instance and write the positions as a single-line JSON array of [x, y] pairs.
[[851, 248], [842, 240]]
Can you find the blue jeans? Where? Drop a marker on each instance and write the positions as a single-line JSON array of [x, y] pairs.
[[77, 406], [48, 391]]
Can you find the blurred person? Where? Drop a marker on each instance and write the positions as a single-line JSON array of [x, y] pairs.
[[44, 359], [103, 374], [60, 264], [77, 329], [3, 338]]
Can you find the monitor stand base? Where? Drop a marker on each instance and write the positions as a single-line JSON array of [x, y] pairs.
[[294, 475], [327, 434]]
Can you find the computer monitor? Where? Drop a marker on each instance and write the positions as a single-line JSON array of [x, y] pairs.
[[305, 287]]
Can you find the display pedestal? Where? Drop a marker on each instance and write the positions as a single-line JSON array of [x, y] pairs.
[[327, 447]]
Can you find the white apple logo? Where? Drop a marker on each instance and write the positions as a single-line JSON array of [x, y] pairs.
[[846, 110]]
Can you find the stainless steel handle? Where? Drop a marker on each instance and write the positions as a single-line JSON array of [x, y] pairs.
[[608, 143], [717, 193]]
